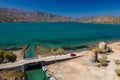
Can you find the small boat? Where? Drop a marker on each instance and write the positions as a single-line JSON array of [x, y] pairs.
[[44, 68], [52, 78], [48, 74]]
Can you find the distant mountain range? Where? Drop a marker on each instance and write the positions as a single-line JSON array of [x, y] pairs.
[[16, 15], [104, 19]]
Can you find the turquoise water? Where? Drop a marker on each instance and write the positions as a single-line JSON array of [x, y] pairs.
[[56, 34], [36, 74], [30, 52]]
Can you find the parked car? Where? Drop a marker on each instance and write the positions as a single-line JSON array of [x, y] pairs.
[[72, 54]]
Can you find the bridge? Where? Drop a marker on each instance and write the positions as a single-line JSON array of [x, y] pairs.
[[40, 59]]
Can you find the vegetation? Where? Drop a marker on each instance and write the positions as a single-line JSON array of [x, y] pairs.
[[117, 61], [117, 71], [7, 56], [101, 51], [103, 61], [48, 51], [57, 51], [12, 75], [109, 49]]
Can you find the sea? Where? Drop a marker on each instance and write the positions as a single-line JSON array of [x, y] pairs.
[[55, 34]]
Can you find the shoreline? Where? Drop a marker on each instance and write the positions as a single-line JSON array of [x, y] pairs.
[[75, 47], [51, 68], [87, 44], [62, 22], [82, 71]]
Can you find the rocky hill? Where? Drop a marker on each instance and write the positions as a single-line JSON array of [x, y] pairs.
[[16, 15], [104, 19]]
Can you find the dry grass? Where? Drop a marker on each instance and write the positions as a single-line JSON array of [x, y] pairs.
[[11, 74]]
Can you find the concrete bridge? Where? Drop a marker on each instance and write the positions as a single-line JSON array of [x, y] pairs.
[[39, 59]]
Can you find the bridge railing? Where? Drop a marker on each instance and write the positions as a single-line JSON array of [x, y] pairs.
[[31, 58]]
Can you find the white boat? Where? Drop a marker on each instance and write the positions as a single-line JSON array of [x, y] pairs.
[[52, 78], [44, 68], [48, 74]]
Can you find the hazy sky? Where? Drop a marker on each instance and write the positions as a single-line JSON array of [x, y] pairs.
[[74, 8]]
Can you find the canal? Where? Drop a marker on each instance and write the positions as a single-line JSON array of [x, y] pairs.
[[34, 74]]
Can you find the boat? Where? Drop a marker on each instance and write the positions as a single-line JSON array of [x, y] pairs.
[[48, 74], [44, 68], [51, 78]]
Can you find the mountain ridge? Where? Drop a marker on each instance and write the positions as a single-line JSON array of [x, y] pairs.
[[16, 15]]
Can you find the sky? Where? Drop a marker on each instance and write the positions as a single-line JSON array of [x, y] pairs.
[[71, 8]]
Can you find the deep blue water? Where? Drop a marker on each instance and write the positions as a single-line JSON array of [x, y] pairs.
[[56, 34]]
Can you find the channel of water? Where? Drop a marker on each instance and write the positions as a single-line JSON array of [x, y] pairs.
[[36, 74]]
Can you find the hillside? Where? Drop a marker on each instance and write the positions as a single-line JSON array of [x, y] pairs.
[[103, 19], [16, 15]]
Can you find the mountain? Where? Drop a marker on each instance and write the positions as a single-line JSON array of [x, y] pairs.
[[16, 15], [103, 19]]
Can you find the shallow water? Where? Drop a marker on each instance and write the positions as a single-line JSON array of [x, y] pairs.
[[54, 35], [36, 74]]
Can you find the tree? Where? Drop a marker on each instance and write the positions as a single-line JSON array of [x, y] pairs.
[[1, 51], [13, 57], [10, 56], [7, 56], [1, 58]]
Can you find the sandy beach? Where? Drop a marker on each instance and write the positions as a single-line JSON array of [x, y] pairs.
[[76, 69]]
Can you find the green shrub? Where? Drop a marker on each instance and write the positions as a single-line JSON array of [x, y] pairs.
[[117, 61], [9, 56], [103, 60], [1, 58], [117, 71]]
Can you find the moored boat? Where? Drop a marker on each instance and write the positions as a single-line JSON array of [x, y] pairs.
[[44, 68]]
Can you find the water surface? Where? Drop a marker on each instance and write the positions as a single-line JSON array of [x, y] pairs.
[[56, 34], [36, 74]]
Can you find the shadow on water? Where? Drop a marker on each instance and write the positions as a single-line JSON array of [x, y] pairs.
[[33, 71], [32, 66]]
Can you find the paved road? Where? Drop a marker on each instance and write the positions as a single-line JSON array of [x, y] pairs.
[[50, 58]]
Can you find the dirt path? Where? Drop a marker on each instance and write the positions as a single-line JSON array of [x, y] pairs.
[[110, 71]]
